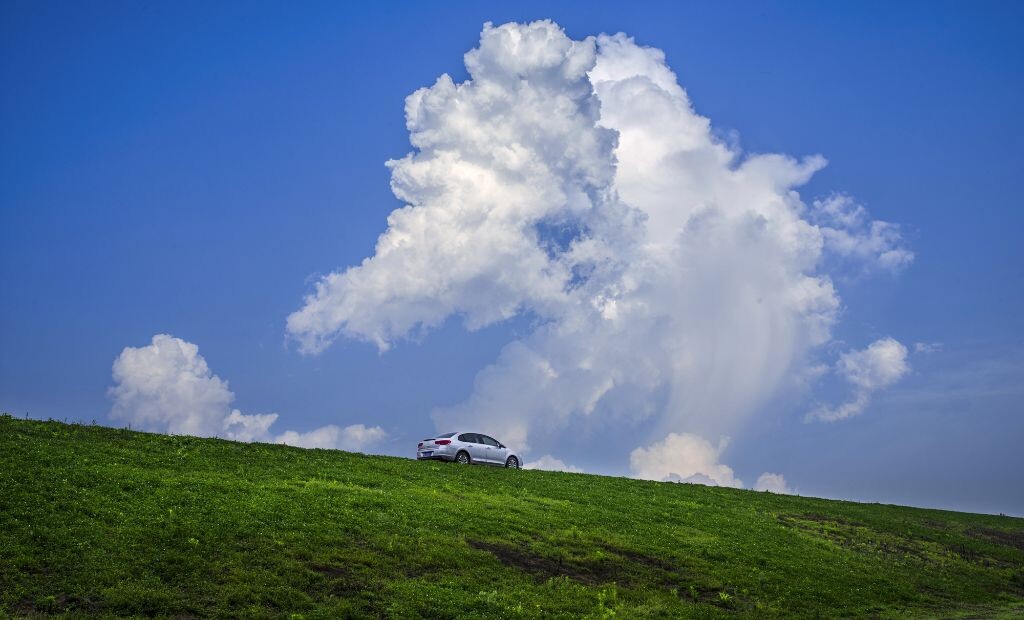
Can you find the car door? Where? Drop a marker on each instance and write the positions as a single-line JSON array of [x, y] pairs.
[[477, 448], [495, 453]]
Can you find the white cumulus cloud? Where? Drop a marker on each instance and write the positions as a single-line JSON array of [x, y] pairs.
[[684, 457], [881, 364], [550, 463], [776, 483], [167, 387], [677, 282], [354, 438], [850, 233], [689, 458]]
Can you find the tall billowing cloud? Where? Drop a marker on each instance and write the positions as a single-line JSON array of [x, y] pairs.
[[167, 387], [677, 283], [880, 365]]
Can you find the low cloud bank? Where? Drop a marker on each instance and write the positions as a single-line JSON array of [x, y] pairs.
[[774, 483], [684, 457], [550, 463], [167, 387]]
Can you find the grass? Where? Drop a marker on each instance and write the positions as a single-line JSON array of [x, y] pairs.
[[100, 521]]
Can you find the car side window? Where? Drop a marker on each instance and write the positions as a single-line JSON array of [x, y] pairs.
[[467, 438], [489, 440]]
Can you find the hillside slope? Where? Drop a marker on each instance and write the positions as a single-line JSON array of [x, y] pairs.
[[99, 520]]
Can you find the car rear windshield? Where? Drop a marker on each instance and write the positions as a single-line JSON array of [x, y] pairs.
[[446, 436]]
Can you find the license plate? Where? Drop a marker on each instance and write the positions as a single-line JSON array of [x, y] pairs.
[[425, 453]]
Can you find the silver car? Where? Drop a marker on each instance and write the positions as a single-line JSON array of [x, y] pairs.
[[467, 448]]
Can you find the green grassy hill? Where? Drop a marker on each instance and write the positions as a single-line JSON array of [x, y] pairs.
[[96, 520]]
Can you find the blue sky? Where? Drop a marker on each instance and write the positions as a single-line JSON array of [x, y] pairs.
[[191, 169]]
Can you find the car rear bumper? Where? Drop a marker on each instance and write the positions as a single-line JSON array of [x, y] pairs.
[[435, 457]]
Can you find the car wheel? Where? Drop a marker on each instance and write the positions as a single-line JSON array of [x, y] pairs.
[[512, 462], [462, 458]]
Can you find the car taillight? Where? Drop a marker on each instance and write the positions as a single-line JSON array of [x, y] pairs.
[[443, 442]]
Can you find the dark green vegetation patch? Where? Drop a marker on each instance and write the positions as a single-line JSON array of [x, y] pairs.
[[103, 521]]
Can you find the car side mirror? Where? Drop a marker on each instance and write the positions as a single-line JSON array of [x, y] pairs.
[[502, 446]]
